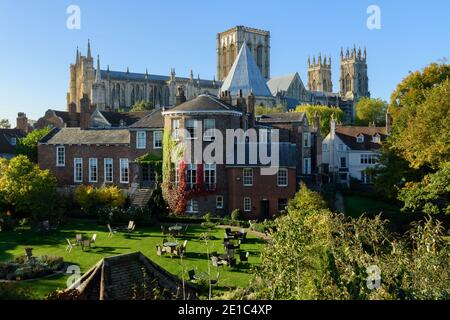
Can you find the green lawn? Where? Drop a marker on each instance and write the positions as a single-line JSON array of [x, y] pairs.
[[144, 239]]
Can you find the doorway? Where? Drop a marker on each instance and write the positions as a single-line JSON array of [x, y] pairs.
[[265, 209]]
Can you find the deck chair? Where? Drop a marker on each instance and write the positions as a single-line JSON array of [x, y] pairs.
[[111, 231], [70, 245], [79, 238], [159, 251], [244, 256]]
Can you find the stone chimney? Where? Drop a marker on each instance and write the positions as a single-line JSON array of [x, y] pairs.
[[251, 109], [180, 98], [240, 102], [73, 121], [22, 122], [86, 112], [388, 122], [225, 96]]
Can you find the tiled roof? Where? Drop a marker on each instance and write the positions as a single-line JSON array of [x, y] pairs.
[[152, 120], [349, 134], [282, 117], [78, 136], [203, 103], [245, 75], [126, 277], [64, 115], [6, 147]]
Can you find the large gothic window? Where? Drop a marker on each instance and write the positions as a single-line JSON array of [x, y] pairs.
[[314, 86], [348, 83], [259, 57], [232, 53]]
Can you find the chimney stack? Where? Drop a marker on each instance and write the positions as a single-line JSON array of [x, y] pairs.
[[240, 101], [22, 122], [251, 109], [85, 114]]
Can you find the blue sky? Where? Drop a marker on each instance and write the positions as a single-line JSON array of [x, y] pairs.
[[37, 48]]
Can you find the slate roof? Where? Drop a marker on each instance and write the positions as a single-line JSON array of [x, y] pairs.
[[152, 120], [120, 75], [203, 103], [285, 117], [245, 75], [64, 115], [78, 136], [348, 135], [129, 118], [280, 83], [124, 277], [6, 147]]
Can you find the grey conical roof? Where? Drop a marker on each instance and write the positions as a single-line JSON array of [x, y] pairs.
[[245, 75]]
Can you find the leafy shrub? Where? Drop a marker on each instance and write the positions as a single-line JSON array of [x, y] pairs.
[[237, 215], [11, 291], [90, 199], [208, 225], [207, 217], [116, 215]]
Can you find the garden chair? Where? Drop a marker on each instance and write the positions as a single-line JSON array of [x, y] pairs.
[[111, 231], [70, 245], [159, 251], [215, 261], [130, 227], [214, 281], [228, 231], [79, 238], [94, 238], [244, 256]]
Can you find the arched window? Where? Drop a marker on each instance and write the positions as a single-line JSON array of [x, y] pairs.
[[348, 83], [224, 56], [313, 87], [132, 97], [259, 57], [232, 53]]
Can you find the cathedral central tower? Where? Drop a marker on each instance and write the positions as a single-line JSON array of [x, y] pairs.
[[230, 42]]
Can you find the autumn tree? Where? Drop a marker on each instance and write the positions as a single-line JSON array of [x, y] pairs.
[[370, 110], [28, 145], [261, 110], [324, 112], [25, 189]]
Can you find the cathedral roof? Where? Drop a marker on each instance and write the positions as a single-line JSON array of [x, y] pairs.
[[121, 75], [281, 83], [245, 75]]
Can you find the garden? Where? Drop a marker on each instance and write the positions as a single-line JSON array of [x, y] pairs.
[[144, 239]]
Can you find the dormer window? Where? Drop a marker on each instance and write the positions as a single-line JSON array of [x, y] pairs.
[[376, 138], [360, 138]]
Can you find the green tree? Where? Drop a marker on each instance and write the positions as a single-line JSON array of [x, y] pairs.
[[260, 110], [414, 161], [325, 113], [4, 124], [28, 145], [26, 189], [316, 254], [306, 199], [142, 106], [371, 110]]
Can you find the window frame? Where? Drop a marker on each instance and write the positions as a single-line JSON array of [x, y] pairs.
[[308, 171], [286, 177], [76, 162], [155, 133], [105, 170], [139, 139], [59, 164], [121, 173], [210, 179], [191, 179], [306, 139], [247, 201], [176, 129], [90, 172], [221, 202], [194, 128], [244, 177], [190, 207], [209, 133]]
